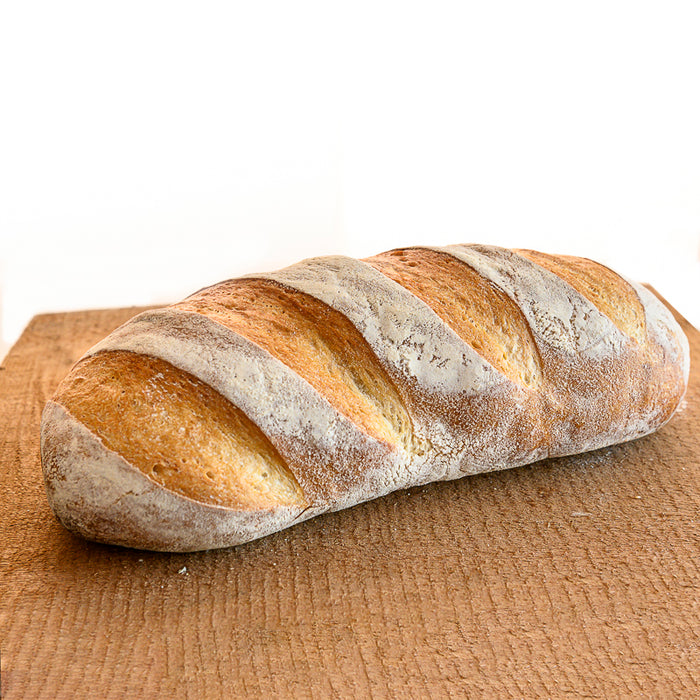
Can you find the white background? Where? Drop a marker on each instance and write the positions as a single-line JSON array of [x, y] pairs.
[[150, 148]]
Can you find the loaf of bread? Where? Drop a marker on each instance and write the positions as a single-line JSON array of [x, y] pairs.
[[269, 399]]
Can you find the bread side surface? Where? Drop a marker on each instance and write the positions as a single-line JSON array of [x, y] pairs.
[[341, 380], [601, 385]]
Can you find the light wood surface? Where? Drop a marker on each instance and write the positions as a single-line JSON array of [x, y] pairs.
[[574, 577]]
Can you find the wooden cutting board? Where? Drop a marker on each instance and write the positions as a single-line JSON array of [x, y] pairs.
[[571, 577]]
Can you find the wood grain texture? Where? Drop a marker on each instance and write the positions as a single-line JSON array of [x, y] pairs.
[[574, 577]]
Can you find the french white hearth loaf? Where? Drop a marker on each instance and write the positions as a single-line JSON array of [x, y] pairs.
[[269, 399]]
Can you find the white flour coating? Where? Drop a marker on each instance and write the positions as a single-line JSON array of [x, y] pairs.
[[560, 317], [280, 402], [664, 328], [409, 338]]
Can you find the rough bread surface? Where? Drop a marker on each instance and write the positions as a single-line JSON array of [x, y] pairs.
[[262, 401]]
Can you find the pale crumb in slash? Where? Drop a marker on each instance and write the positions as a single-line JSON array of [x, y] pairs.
[[140, 559], [183, 570], [580, 514]]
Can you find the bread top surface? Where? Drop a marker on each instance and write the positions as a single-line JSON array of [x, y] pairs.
[[315, 341], [415, 364], [610, 293], [480, 313]]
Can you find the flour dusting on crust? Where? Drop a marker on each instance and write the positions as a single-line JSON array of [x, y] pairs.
[[413, 343], [282, 404], [560, 317]]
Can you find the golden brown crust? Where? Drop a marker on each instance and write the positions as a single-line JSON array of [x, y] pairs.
[[609, 292], [317, 342], [178, 431], [480, 313], [99, 495]]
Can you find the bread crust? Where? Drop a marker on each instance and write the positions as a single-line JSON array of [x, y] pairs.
[[97, 494], [587, 385]]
